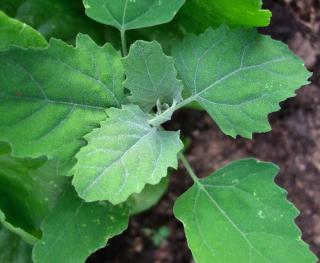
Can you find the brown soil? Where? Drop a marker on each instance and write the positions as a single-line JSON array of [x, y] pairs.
[[293, 144]]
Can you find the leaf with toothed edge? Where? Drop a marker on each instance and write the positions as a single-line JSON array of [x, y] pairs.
[[151, 76], [238, 214], [53, 97], [132, 14], [239, 85], [75, 229], [124, 155]]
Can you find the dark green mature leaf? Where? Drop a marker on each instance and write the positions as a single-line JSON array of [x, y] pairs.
[[132, 14], [52, 97], [151, 76], [76, 229], [13, 249], [13, 32], [238, 84], [54, 18], [24, 235], [28, 191], [149, 197], [124, 155], [238, 214]]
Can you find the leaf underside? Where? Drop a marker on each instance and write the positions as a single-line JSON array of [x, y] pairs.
[[127, 14], [238, 214], [52, 97], [75, 229], [225, 71], [124, 155]]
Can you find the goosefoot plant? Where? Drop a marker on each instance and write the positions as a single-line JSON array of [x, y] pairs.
[[83, 146]]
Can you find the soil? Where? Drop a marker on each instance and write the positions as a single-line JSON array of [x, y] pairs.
[[293, 144]]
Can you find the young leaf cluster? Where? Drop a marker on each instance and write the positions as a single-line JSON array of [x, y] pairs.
[[83, 140]]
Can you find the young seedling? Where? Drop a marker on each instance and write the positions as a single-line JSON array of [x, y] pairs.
[[84, 145]]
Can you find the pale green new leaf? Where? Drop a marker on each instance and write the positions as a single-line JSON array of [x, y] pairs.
[[13, 32], [51, 97], [29, 190], [13, 249], [124, 155], [132, 14], [238, 76], [75, 229], [238, 214], [151, 76]]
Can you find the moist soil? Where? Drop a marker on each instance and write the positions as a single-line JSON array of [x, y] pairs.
[[293, 144]]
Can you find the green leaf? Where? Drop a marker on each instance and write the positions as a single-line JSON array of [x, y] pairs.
[[198, 15], [28, 191], [151, 76], [239, 85], [238, 214], [149, 197], [24, 235], [124, 155], [13, 249], [13, 32], [132, 14], [52, 97], [76, 229], [54, 18]]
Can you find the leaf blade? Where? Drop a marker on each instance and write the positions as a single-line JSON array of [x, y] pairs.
[[13, 32], [71, 92], [241, 87], [123, 155], [235, 216], [31, 187], [75, 229], [126, 15], [151, 76], [13, 249]]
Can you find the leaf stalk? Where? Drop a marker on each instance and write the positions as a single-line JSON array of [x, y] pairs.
[[188, 167], [124, 42]]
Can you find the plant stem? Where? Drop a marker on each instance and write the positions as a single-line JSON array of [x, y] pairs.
[[123, 42], [188, 167], [157, 120]]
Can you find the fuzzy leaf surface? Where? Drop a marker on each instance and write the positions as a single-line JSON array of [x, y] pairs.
[[238, 214], [124, 155], [13, 249], [226, 72], [75, 229], [13, 32], [127, 14], [151, 76], [29, 190], [52, 97]]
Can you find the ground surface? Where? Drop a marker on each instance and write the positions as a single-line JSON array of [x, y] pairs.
[[294, 144]]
